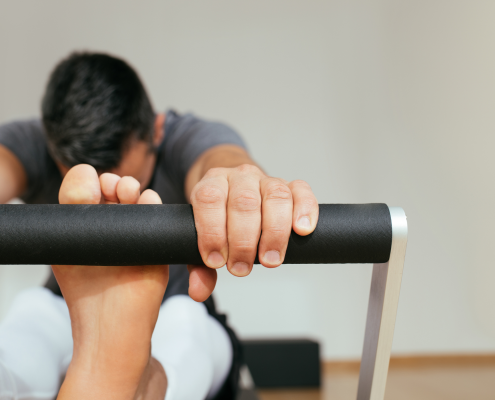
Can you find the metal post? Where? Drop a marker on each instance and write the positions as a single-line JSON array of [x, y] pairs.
[[382, 311]]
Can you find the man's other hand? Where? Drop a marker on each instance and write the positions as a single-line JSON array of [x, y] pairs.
[[241, 211]]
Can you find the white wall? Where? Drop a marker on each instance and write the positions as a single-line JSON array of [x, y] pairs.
[[369, 101]]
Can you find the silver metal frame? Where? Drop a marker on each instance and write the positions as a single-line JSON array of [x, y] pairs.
[[382, 311]]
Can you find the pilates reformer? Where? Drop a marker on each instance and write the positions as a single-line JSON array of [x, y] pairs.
[[165, 234]]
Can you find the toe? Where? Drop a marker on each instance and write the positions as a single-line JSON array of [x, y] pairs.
[[149, 197], [128, 190], [80, 186], [109, 184]]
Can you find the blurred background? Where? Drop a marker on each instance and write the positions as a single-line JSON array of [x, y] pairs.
[[369, 101]]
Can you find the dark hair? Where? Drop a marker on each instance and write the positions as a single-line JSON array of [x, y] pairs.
[[93, 105]]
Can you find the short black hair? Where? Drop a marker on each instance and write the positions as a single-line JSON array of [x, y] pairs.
[[93, 104]]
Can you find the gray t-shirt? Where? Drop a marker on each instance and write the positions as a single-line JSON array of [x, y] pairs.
[[186, 138]]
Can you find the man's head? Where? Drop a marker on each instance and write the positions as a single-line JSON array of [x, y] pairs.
[[96, 111]]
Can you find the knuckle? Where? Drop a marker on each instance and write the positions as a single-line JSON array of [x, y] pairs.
[[301, 184], [278, 229], [278, 191], [211, 239], [278, 237], [248, 168], [208, 195], [245, 201], [307, 202], [212, 235], [212, 172], [242, 246]]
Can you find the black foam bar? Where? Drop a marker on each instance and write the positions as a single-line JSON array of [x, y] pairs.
[[166, 234]]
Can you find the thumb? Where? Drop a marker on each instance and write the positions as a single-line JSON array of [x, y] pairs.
[[202, 281]]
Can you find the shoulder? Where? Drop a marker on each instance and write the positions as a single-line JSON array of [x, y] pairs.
[[188, 132], [190, 122], [21, 128], [25, 138]]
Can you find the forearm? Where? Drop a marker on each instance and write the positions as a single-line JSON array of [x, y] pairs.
[[12, 176], [223, 156]]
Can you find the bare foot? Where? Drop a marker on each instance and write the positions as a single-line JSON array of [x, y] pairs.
[[113, 310]]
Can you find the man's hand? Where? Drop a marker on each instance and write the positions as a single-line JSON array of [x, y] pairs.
[[237, 208], [113, 310]]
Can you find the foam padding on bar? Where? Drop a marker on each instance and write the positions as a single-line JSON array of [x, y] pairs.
[[165, 234]]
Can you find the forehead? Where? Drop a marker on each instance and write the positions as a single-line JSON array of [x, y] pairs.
[[134, 155]]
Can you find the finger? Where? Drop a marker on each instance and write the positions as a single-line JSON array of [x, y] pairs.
[[209, 201], [80, 186], [243, 219], [202, 281], [128, 190], [276, 221], [305, 214], [108, 183]]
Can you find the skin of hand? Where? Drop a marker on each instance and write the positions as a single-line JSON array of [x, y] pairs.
[[239, 211], [113, 310]]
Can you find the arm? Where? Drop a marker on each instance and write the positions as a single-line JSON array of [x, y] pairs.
[[12, 176], [239, 211]]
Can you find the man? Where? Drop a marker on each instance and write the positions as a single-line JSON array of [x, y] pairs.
[[99, 141]]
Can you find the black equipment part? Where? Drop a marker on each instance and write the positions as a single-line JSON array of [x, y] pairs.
[[165, 234], [279, 363]]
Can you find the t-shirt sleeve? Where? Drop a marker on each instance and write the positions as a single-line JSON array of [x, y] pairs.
[[187, 137], [26, 140]]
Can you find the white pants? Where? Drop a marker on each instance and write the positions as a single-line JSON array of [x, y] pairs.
[[36, 348]]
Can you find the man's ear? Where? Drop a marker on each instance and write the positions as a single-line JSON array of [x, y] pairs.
[[159, 132], [62, 168]]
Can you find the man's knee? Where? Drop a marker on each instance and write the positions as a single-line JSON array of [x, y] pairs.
[[36, 342]]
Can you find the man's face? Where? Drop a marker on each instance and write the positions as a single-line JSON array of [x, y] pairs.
[[138, 160]]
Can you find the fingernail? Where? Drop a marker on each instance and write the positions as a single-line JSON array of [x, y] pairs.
[[272, 256], [304, 222], [240, 269], [215, 260]]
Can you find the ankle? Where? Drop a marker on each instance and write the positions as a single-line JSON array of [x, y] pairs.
[[108, 375], [153, 383]]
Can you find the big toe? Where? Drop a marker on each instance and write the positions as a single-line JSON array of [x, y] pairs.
[[80, 186]]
